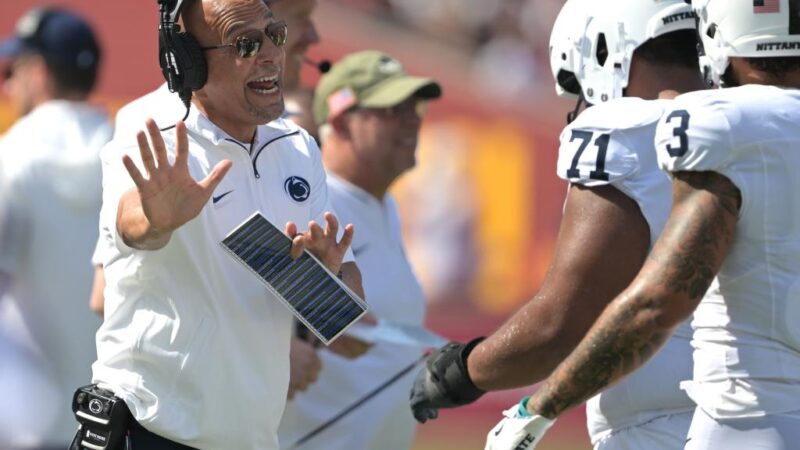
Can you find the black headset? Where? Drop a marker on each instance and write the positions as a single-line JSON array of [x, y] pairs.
[[179, 55]]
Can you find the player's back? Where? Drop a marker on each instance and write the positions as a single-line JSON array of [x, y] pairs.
[[747, 328], [611, 144]]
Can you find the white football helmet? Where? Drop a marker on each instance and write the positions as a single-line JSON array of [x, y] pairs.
[[595, 40], [565, 41], [745, 28]]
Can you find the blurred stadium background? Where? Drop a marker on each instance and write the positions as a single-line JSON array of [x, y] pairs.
[[481, 211]]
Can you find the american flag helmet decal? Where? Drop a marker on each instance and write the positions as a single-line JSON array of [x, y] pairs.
[[766, 6]]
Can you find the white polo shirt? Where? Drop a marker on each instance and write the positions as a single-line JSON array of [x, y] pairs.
[[48, 226], [394, 294], [160, 105], [197, 347]]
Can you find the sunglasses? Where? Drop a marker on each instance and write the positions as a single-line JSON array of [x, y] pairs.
[[248, 45]]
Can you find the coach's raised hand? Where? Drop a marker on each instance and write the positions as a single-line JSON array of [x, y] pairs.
[[444, 382], [166, 196]]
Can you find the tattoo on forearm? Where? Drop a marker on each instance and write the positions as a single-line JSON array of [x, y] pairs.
[[605, 355], [698, 235], [676, 276]]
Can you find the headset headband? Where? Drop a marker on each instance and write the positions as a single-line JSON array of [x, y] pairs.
[[170, 9], [180, 56]]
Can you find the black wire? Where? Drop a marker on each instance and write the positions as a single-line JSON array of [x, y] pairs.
[[188, 106], [358, 403]]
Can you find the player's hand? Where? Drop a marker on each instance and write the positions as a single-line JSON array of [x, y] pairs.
[[519, 430], [444, 382], [321, 243], [304, 366], [169, 195]]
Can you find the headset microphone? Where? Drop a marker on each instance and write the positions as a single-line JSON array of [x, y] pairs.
[[323, 66]]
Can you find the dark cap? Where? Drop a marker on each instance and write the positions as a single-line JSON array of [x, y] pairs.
[[59, 36]]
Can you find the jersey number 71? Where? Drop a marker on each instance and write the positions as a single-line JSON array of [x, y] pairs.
[[600, 163]]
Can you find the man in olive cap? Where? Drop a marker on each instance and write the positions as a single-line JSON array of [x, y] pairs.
[[370, 112]]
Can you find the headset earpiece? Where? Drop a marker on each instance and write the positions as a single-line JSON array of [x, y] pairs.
[[179, 55]]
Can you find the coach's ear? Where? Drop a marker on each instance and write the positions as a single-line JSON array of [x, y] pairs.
[[341, 125]]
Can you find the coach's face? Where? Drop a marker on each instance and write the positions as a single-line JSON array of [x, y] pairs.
[[386, 138], [302, 35], [241, 92]]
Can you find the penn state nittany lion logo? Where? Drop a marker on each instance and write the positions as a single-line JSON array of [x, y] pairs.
[[297, 188]]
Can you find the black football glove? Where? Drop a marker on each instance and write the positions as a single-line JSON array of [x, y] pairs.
[[444, 381]]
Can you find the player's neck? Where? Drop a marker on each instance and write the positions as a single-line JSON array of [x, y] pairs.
[[742, 72], [650, 81], [786, 80]]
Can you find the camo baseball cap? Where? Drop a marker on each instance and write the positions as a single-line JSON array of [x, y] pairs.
[[371, 79]]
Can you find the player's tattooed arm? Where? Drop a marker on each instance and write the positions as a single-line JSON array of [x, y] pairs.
[[672, 282]]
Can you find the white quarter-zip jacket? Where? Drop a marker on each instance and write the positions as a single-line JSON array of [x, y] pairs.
[[196, 346]]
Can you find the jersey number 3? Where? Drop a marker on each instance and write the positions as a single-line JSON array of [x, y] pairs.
[[680, 133], [600, 164]]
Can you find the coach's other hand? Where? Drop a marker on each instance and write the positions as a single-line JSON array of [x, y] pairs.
[[304, 366], [519, 429], [444, 381], [321, 242]]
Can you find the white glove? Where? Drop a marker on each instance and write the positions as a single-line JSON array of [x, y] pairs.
[[519, 430]]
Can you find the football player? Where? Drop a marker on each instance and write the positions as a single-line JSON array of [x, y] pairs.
[[732, 154], [619, 56]]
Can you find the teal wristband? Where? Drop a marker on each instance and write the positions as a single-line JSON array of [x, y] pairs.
[[523, 407]]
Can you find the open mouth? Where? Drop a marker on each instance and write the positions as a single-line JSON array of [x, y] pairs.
[[265, 85]]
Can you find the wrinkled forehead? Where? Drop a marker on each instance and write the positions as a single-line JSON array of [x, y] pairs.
[[229, 17]]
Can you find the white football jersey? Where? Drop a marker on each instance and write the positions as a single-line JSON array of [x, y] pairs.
[[612, 144], [747, 328]]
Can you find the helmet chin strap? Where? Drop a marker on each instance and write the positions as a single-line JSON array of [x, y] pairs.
[[572, 115]]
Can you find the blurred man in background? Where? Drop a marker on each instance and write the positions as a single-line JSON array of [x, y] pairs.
[[299, 110], [370, 111], [48, 219]]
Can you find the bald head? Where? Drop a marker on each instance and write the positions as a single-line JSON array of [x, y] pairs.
[[211, 21]]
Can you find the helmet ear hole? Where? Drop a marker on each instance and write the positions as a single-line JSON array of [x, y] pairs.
[[712, 30], [602, 49], [568, 82]]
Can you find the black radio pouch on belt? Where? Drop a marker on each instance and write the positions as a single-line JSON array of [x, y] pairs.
[[104, 419]]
